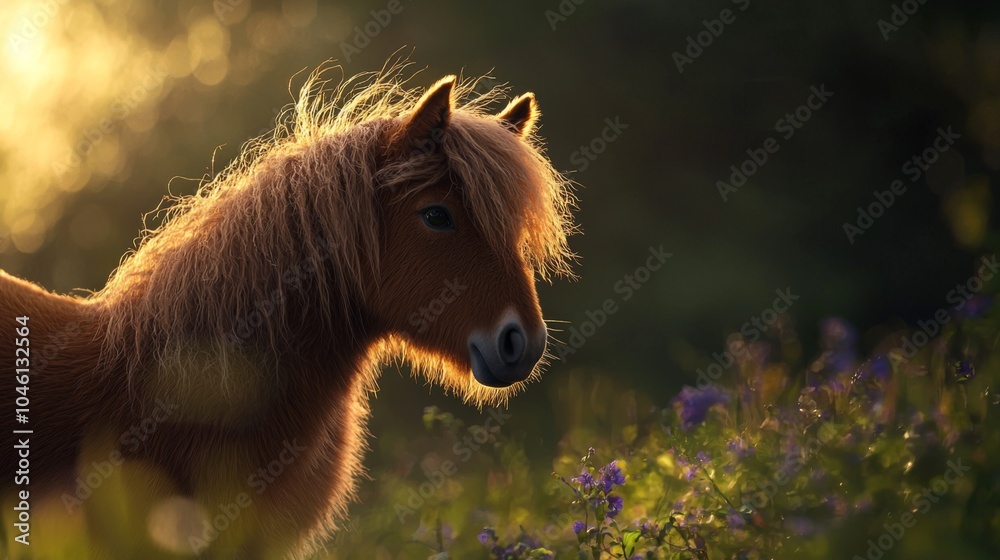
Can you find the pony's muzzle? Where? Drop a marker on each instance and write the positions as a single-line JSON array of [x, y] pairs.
[[506, 355]]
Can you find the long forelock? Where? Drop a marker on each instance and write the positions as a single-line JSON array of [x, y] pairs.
[[508, 184], [513, 193]]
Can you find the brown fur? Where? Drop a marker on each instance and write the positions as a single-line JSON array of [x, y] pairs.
[[263, 307]]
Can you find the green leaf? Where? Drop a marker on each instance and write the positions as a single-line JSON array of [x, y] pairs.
[[629, 538]]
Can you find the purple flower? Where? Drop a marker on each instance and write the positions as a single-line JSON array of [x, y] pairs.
[[486, 535], [837, 332], [800, 526], [964, 371], [740, 448], [837, 504], [611, 476], [585, 480], [690, 519], [615, 504], [578, 526], [693, 404], [520, 548], [977, 306], [702, 457], [649, 529], [836, 385], [817, 475], [736, 520], [681, 461]]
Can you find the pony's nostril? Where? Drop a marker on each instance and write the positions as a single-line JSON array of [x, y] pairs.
[[504, 356], [512, 344]]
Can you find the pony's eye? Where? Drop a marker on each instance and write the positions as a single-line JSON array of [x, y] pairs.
[[437, 217]]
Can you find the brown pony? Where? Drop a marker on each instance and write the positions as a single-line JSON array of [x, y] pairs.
[[212, 398]]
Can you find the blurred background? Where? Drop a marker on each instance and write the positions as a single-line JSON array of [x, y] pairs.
[[108, 105]]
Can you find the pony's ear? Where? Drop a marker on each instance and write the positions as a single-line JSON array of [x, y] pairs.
[[520, 114], [430, 118]]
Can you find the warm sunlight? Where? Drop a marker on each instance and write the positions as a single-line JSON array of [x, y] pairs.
[[75, 71], [86, 81], [521, 280]]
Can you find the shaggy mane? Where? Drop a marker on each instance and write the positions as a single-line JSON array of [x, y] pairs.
[[291, 225]]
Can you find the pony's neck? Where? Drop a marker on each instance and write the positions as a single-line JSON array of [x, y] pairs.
[[255, 289], [290, 382]]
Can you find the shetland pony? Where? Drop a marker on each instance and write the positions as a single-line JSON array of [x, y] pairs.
[[213, 395]]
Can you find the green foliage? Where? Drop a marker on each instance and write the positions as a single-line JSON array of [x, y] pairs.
[[896, 452]]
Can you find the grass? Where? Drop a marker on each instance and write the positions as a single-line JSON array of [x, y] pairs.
[[891, 455]]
